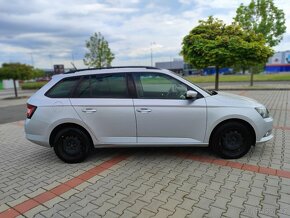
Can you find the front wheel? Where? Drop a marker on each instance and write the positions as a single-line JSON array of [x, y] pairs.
[[231, 140], [72, 145]]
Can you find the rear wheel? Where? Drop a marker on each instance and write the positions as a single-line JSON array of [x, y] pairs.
[[72, 145], [231, 140]]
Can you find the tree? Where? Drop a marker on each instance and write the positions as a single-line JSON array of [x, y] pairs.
[[37, 73], [213, 43], [99, 54], [17, 71], [262, 16]]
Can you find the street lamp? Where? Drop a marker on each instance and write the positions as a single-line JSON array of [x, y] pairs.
[[151, 50], [32, 60]]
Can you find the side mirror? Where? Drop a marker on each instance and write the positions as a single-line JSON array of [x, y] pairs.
[[190, 94]]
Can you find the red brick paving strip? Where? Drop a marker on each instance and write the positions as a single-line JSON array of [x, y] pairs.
[[236, 165], [281, 127], [60, 189], [243, 93]]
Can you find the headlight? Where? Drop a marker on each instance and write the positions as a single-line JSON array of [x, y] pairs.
[[263, 111]]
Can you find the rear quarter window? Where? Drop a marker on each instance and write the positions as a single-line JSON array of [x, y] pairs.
[[63, 88]]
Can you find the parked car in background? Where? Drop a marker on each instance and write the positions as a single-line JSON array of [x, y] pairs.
[[140, 106]]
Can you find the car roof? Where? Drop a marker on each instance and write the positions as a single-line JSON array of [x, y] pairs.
[[117, 67], [128, 69]]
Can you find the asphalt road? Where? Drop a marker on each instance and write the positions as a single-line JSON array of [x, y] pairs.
[[12, 113]]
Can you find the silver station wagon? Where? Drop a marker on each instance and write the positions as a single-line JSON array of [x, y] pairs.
[[140, 106]]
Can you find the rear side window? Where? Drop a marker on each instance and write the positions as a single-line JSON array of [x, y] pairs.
[[102, 86], [63, 89]]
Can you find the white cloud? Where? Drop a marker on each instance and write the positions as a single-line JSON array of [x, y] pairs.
[[54, 31], [186, 2]]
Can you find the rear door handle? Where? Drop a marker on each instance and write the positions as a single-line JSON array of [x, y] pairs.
[[144, 110], [89, 110]]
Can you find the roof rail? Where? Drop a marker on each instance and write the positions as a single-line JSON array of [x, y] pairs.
[[117, 67]]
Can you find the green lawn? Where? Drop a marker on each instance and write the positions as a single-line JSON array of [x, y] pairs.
[[32, 85], [1, 85], [240, 78]]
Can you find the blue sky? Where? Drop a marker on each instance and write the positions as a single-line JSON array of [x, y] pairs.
[[47, 32]]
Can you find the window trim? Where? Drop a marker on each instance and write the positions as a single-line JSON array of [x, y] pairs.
[[131, 86]]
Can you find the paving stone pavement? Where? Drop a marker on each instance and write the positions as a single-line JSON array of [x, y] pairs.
[[152, 182]]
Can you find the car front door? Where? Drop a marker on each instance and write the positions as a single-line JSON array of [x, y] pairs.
[[103, 103], [164, 115]]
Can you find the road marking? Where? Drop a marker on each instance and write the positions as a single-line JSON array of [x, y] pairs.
[[31, 203], [237, 165]]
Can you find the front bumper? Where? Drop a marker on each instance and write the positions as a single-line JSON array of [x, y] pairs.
[[265, 131], [265, 139]]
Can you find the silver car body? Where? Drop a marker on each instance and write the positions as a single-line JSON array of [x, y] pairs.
[[142, 122]]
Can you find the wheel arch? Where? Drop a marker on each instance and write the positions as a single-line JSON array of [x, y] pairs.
[[66, 125], [247, 124]]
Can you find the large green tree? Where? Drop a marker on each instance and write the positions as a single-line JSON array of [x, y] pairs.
[[213, 43], [262, 16], [17, 71], [99, 54]]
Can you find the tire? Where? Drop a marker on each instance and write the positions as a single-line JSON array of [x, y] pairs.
[[72, 145], [231, 140]]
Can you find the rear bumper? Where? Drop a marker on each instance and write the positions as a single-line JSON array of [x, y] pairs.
[[38, 139], [33, 133]]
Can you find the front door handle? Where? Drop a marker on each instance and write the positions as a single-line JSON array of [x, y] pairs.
[[144, 110], [89, 110]]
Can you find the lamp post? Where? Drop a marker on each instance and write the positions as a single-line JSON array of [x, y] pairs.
[[151, 52], [32, 60]]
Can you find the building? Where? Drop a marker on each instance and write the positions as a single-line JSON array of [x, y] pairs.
[[278, 63], [180, 67], [177, 65]]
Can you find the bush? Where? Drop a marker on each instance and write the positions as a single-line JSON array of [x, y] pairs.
[[32, 85]]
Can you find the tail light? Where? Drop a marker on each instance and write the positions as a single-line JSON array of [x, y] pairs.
[[30, 110]]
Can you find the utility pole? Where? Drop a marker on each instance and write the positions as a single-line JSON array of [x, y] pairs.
[[32, 60], [151, 50]]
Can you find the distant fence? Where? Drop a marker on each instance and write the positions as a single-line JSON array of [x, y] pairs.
[[277, 68]]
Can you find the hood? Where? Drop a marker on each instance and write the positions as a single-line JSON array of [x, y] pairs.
[[228, 99]]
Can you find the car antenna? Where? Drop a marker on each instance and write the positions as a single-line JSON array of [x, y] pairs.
[[74, 66]]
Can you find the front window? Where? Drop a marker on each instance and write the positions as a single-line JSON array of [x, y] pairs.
[[159, 86]]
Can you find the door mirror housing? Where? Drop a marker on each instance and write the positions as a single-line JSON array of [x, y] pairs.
[[190, 94]]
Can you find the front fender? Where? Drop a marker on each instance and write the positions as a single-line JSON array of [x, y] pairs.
[[217, 115]]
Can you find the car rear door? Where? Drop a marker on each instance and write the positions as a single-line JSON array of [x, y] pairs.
[[103, 103], [164, 115]]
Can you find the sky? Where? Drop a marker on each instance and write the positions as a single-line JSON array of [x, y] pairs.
[[47, 32]]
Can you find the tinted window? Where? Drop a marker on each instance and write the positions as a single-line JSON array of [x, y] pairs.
[[103, 86], [84, 89], [159, 86], [63, 88]]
